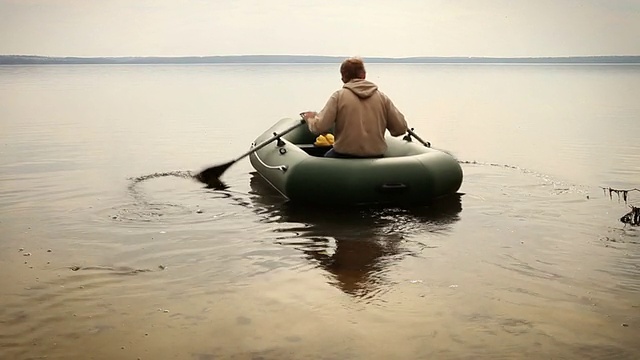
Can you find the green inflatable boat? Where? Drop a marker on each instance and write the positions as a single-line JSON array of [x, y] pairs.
[[409, 172]]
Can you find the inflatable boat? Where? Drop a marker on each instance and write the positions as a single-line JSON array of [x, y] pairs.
[[410, 172]]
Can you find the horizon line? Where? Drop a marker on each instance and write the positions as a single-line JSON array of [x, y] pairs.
[[325, 56], [306, 59]]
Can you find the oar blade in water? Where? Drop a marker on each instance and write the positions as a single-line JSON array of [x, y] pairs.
[[211, 176]]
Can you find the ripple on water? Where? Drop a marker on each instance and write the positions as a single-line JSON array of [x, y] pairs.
[[169, 198]]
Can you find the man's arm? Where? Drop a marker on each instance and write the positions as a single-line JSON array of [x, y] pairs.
[[324, 121], [396, 124]]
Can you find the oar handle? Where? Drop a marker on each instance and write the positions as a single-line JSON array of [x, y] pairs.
[[412, 133], [271, 139]]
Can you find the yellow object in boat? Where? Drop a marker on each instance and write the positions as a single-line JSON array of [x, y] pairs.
[[330, 138], [321, 140]]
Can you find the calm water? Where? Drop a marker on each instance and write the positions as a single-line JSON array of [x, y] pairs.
[[109, 252]]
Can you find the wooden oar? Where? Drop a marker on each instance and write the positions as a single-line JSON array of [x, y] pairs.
[[211, 176]]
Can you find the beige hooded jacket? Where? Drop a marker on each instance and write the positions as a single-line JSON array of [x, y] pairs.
[[361, 114]]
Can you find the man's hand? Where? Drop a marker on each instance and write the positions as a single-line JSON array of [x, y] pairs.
[[308, 115]]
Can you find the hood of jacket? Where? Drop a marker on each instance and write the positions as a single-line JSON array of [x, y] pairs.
[[362, 88]]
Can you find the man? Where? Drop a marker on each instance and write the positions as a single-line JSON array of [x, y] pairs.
[[360, 113]]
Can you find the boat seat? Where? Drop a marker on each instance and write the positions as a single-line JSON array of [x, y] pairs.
[[314, 150]]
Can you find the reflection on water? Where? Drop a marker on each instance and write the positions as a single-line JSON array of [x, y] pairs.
[[355, 246]]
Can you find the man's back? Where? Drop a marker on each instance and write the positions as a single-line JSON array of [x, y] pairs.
[[363, 116], [360, 114]]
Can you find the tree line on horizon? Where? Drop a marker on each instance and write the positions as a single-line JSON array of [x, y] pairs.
[[301, 59]]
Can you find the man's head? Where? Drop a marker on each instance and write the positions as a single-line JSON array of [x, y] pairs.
[[352, 68]]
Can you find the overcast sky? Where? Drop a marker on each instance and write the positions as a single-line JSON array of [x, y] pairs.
[[394, 28]]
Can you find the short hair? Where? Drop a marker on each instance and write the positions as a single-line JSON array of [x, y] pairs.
[[352, 68]]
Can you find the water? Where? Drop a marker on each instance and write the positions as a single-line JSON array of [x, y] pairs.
[[129, 258]]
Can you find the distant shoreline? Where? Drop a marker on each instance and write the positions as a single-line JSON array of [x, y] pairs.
[[298, 59]]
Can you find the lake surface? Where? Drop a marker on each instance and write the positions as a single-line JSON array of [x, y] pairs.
[[109, 250]]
